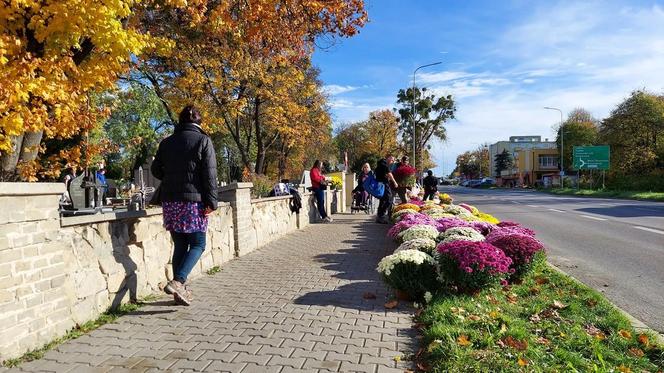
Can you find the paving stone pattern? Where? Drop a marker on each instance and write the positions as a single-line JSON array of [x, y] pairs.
[[294, 305]]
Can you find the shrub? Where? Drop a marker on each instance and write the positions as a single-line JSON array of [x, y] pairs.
[[410, 271], [461, 234], [419, 231], [262, 185], [498, 231], [483, 227], [426, 245], [520, 248], [471, 266]]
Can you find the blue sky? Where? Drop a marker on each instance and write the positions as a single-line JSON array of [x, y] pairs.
[[502, 61]]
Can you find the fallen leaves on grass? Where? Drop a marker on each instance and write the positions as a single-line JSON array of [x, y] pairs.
[[534, 290], [540, 280], [591, 303], [369, 295], [511, 298], [535, 318], [625, 334], [593, 331], [434, 345], [624, 369], [636, 352], [643, 339], [474, 318], [543, 341], [494, 314], [523, 362], [515, 343], [391, 304], [559, 305], [463, 340]]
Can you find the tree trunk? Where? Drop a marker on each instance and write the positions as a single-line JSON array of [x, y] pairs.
[[25, 148], [260, 144]]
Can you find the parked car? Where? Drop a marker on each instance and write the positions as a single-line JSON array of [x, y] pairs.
[[444, 181], [474, 183], [485, 183], [465, 183]]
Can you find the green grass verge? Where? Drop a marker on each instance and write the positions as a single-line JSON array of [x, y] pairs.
[[105, 318], [646, 196], [548, 323]]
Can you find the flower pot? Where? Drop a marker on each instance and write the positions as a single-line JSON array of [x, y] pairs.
[[403, 296]]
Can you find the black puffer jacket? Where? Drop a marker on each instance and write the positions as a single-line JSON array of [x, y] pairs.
[[187, 167]]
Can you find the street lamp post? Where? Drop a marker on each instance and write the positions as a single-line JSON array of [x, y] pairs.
[[412, 110], [562, 146]]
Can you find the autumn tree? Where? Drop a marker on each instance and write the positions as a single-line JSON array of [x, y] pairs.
[[580, 129], [427, 120], [53, 56], [635, 132], [247, 65]]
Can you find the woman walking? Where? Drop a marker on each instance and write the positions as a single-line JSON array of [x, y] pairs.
[[187, 167], [317, 181]]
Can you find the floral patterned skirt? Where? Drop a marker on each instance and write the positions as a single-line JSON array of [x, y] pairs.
[[184, 217]]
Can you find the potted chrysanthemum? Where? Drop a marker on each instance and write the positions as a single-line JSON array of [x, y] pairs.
[[411, 273]]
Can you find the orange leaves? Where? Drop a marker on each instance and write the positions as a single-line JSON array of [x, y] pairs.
[[463, 340], [516, 344], [644, 340], [636, 352], [625, 334], [391, 304]]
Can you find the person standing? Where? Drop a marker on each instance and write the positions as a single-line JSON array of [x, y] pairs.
[[101, 179], [384, 175], [317, 183], [402, 189], [187, 167], [430, 184]]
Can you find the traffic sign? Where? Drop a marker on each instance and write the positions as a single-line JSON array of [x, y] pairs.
[[591, 157]]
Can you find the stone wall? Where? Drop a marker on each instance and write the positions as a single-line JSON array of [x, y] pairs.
[[58, 272]]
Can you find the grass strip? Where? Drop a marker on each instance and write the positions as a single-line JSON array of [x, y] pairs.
[[107, 317], [548, 323], [643, 196]]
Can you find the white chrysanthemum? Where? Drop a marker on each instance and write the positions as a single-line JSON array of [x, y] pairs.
[[423, 244], [386, 265], [399, 214], [456, 210], [427, 297], [461, 234], [418, 231]]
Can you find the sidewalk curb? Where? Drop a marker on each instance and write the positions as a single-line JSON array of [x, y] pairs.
[[637, 324]]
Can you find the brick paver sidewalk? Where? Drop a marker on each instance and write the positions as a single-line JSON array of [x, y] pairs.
[[294, 305]]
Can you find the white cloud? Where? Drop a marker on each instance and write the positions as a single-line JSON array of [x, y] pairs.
[[335, 89], [440, 77]]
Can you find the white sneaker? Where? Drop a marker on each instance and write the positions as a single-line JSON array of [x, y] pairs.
[[328, 220]]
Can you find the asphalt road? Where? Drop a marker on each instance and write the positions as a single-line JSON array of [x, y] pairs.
[[615, 246]]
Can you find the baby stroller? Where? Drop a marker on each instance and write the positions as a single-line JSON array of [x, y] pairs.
[[362, 201]]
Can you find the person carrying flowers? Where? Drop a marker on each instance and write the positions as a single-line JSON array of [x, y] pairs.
[[404, 174]]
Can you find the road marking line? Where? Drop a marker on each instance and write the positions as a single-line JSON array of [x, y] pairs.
[[518, 203], [649, 229], [556, 210], [592, 217], [533, 206]]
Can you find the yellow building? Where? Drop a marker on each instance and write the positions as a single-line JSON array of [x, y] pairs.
[[533, 167]]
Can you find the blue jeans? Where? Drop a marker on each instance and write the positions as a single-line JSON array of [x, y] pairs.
[[320, 201], [188, 249]]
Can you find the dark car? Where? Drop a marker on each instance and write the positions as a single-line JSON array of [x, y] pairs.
[[485, 183], [474, 183]]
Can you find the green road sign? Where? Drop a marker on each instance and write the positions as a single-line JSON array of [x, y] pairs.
[[591, 157]]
